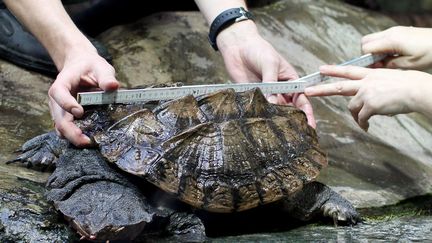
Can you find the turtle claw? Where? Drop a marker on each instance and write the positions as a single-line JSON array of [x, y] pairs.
[[41, 151], [18, 151], [340, 213], [23, 157], [335, 219]]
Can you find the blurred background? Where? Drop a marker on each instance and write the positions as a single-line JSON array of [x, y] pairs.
[[405, 12]]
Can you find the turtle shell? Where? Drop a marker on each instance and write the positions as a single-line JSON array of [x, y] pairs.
[[221, 152]]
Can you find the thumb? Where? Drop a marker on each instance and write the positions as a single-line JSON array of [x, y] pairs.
[[60, 93], [105, 77]]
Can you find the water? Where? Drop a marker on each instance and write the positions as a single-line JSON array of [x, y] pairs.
[[401, 229], [392, 161]]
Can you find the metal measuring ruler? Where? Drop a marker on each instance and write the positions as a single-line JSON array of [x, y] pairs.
[[167, 93]]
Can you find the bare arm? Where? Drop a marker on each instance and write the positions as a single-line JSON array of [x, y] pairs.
[[52, 26], [77, 59], [249, 57], [211, 8]]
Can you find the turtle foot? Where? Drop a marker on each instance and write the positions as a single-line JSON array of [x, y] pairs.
[[186, 227], [317, 200], [341, 212], [41, 152]]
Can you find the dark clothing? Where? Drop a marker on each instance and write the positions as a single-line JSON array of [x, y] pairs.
[[103, 14]]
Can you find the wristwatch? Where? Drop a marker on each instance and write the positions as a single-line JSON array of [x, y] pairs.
[[225, 19]]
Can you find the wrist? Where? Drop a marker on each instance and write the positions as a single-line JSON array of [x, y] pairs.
[[226, 19], [71, 47], [236, 35]]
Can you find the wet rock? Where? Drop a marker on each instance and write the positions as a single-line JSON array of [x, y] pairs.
[[23, 107], [25, 215], [404, 229], [370, 169], [389, 163]]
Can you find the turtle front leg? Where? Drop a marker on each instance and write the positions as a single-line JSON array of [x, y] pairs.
[[318, 200], [42, 151]]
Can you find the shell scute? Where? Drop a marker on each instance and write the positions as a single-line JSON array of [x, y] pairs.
[[221, 152]]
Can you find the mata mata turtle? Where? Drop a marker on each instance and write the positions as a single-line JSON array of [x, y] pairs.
[[222, 152]]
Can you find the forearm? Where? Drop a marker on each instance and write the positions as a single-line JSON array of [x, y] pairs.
[[233, 35], [211, 8], [52, 26]]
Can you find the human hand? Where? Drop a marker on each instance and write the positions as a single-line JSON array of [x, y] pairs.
[[248, 57], [412, 47], [377, 91], [81, 67], [81, 71]]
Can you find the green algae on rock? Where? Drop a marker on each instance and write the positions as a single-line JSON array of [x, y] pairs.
[[382, 167]]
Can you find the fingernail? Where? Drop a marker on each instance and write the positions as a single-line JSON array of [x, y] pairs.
[[76, 112], [272, 99], [113, 85], [88, 140]]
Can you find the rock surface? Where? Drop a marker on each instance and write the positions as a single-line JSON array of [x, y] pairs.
[[371, 169], [389, 163]]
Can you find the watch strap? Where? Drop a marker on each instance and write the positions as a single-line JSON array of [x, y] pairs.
[[225, 19]]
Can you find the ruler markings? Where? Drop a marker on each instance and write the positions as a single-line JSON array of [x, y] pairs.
[[166, 93]]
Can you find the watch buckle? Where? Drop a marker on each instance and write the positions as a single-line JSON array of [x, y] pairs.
[[243, 15]]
